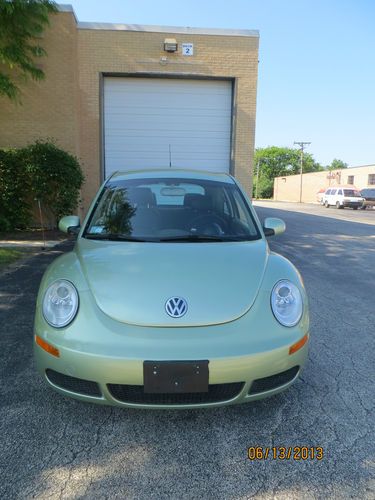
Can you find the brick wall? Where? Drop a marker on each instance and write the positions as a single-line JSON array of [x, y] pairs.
[[48, 108], [66, 106], [288, 188]]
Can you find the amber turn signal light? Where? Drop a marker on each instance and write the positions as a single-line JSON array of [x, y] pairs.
[[47, 347], [297, 346]]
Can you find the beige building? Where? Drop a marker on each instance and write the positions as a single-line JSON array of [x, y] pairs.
[[288, 188], [129, 96]]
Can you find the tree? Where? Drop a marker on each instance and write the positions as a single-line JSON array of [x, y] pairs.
[[40, 171], [337, 164], [274, 162], [56, 176], [15, 186], [21, 25]]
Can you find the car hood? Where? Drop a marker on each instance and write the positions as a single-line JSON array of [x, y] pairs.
[[132, 281]]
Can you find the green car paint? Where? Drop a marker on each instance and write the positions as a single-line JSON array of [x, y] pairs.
[[121, 321]]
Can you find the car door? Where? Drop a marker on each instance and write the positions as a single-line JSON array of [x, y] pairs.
[[332, 197], [339, 197], [326, 196]]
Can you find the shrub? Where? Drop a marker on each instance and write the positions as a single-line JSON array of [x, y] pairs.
[[56, 177], [40, 171], [265, 188], [14, 191]]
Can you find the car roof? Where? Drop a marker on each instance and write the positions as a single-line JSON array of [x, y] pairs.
[[347, 186], [172, 173]]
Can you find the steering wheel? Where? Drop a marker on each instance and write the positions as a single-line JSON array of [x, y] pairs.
[[210, 224]]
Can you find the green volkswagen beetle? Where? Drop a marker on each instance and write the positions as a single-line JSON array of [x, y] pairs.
[[171, 298]]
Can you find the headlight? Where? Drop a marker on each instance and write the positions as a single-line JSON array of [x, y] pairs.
[[60, 303], [286, 303]]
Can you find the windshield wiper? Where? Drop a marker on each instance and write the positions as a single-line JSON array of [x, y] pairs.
[[189, 238], [113, 237], [196, 238]]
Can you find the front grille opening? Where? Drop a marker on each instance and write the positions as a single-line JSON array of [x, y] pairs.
[[135, 394], [78, 385], [274, 381]]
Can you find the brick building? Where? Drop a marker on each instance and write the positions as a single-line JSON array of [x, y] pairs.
[[287, 188], [130, 96]]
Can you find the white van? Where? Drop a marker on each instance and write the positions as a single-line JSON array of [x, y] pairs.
[[342, 196]]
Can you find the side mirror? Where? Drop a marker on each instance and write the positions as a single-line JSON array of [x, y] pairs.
[[273, 226], [70, 224]]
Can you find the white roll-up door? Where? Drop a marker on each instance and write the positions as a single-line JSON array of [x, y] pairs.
[[150, 122]]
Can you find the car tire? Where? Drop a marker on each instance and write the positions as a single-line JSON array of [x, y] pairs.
[[326, 204], [338, 205], [355, 208]]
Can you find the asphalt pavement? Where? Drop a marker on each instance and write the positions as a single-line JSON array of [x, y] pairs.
[[54, 447]]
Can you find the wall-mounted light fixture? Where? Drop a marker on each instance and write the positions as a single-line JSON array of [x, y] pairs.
[[170, 45]]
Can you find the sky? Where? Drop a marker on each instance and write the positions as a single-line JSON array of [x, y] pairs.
[[316, 77]]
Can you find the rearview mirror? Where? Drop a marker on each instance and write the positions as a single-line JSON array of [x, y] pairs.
[[273, 226], [70, 224]]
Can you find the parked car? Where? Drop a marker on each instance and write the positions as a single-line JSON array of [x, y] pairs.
[[342, 196], [319, 195], [171, 298], [368, 196]]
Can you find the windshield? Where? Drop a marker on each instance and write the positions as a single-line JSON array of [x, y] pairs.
[[352, 192], [171, 209]]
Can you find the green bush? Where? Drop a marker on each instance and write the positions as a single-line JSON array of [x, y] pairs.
[[15, 208], [56, 177], [265, 188], [40, 171]]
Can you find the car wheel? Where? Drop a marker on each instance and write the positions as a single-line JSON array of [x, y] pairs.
[[326, 204], [338, 204], [355, 208]]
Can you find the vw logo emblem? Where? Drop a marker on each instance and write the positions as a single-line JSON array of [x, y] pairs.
[[176, 307]]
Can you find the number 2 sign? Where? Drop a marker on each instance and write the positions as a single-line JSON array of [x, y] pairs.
[[187, 49]]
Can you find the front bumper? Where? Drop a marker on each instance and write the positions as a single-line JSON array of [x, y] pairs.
[[117, 381], [352, 204], [109, 355]]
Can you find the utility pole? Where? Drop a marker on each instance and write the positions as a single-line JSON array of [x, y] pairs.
[[302, 145]]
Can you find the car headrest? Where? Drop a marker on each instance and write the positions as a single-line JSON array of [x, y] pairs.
[[197, 201], [141, 196]]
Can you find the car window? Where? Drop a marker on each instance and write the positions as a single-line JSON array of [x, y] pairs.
[[328, 191], [333, 191], [227, 208], [351, 192], [339, 191], [171, 208], [368, 192], [242, 212]]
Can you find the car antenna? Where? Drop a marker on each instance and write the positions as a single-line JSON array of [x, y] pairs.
[[170, 157]]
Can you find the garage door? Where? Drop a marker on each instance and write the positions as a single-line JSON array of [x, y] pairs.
[[152, 122]]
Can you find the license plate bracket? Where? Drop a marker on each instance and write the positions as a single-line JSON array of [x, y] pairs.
[[171, 377]]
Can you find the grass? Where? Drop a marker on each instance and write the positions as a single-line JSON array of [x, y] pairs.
[[32, 235], [9, 255]]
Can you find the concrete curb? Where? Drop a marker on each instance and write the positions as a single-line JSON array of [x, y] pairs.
[[29, 243]]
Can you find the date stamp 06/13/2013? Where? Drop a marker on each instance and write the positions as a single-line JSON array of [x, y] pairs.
[[285, 453]]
